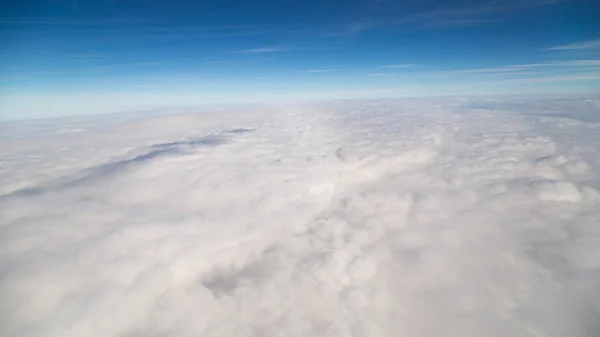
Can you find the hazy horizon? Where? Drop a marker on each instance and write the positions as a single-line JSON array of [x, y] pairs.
[[82, 58]]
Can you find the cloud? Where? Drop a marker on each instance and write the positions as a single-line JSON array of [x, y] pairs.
[[590, 44], [543, 72], [272, 49], [87, 56], [432, 14], [54, 22], [303, 220], [567, 63], [459, 23], [401, 66], [471, 8], [349, 29], [318, 70], [468, 12], [564, 78], [517, 68], [504, 69]]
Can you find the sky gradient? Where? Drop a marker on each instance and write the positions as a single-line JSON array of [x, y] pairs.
[[83, 57]]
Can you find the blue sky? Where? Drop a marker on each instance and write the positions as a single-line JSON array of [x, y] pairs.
[[80, 57]]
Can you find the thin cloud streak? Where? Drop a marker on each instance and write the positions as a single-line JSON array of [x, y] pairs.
[[318, 71], [594, 76], [155, 29], [459, 23], [456, 14], [273, 49], [349, 30], [570, 63], [470, 13], [401, 66], [524, 67], [590, 44], [53, 22], [485, 70]]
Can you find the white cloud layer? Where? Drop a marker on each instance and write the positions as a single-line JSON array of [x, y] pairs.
[[453, 217]]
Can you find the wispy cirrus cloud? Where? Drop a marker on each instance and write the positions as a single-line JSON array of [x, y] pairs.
[[315, 71], [444, 14], [563, 78], [590, 44], [458, 14], [84, 57], [551, 71], [349, 29], [544, 72], [472, 9], [504, 69], [52, 22], [459, 23], [569, 64], [270, 49], [401, 66]]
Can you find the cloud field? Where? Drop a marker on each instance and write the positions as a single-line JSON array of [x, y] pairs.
[[423, 217]]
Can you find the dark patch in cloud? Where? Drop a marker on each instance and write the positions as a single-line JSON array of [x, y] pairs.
[[224, 283], [208, 141], [240, 130], [102, 171]]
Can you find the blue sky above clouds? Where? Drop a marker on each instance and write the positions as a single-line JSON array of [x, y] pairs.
[[71, 57]]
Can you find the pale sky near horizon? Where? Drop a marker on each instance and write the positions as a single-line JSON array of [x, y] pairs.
[[90, 57]]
